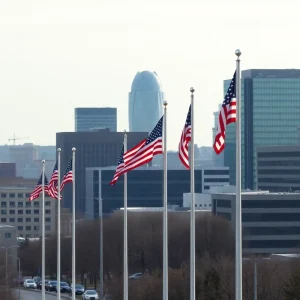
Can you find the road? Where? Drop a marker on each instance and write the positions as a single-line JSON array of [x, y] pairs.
[[31, 295]]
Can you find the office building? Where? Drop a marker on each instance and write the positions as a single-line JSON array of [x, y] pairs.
[[145, 102], [145, 187], [270, 221], [270, 110], [94, 118], [8, 170], [9, 244], [17, 211], [278, 168], [93, 149]]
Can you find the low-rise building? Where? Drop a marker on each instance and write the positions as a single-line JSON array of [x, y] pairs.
[[270, 221]]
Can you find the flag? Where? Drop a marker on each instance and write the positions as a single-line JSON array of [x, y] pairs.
[[52, 186], [68, 177], [184, 141], [227, 115], [146, 150], [142, 153], [119, 169], [39, 188]]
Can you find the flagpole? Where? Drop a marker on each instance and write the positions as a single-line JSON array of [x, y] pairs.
[[43, 232], [58, 224], [165, 216], [192, 218], [73, 228], [125, 251], [238, 216]]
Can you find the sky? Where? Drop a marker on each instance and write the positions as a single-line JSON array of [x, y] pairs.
[[59, 54]]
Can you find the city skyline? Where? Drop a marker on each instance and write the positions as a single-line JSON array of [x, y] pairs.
[[53, 60]]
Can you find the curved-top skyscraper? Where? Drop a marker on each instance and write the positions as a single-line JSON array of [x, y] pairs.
[[145, 102]]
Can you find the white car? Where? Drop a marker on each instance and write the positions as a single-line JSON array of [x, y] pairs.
[[29, 284], [136, 276], [90, 295]]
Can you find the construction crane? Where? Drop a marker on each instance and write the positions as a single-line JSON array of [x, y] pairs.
[[17, 138]]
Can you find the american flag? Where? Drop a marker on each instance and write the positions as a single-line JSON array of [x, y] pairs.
[[39, 188], [68, 177], [227, 115], [184, 141], [142, 153], [119, 169], [52, 186]]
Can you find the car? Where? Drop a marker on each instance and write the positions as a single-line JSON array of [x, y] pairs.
[[79, 289], [51, 286], [39, 284], [64, 287], [90, 295], [29, 284], [136, 276]]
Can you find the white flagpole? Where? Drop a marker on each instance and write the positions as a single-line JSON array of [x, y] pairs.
[[43, 232], [238, 210], [58, 224], [165, 216], [73, 228], [125, 251], [192, 218]]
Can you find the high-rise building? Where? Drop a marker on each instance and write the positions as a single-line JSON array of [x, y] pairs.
[[94, 118], [270, 109], [145, 102]]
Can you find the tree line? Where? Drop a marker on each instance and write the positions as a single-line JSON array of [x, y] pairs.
[[215, 276]]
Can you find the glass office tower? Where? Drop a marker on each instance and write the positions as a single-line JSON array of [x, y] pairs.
[[145, 105], [93, 118], [270, 111]]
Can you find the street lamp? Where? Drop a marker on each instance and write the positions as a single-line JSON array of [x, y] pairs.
[[255, 273], [6, 273], [19, 273]]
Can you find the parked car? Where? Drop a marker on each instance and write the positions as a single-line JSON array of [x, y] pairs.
[[29, 284], [36, 279], [90, 295], [39, 284], [136, 276], [79, 289], [51, 286], [64, 287]]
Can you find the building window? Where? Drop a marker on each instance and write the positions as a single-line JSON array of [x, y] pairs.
[[12, 220], [36, 228], [12, 203], [36, 211], [206, 187], [28, 211], [12, 195], [48, 211], [3, 195], [47, 203], [36, 204], [3, 204], [28, 227], [20, 204], [20, 220], [48, 220], [36, 220], [20, 195], [28, 204], [11, 211], [20, 228], [3, 220], [20, 212], [48, 228], [7, 235], [3, 211], [216, 172], [28, 220], [27, 195]]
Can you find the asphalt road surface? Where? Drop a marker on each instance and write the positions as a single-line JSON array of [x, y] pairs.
[[30, 295]]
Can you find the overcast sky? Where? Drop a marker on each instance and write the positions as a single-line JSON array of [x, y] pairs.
[[58, 55]]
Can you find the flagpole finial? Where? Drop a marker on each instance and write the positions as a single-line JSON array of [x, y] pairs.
[[73, 149], [165, 103], [43, 161], [192, 90], [125, 132], [58, 150], [238, 52]]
